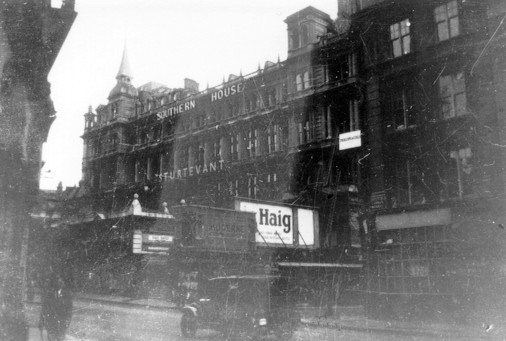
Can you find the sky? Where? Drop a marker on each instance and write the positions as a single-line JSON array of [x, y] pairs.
[[167, 41]]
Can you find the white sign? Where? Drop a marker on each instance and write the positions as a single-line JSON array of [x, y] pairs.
[[145, 243], [282, 225], [306, 226], [349, 140], [160, 238], [274, 223]]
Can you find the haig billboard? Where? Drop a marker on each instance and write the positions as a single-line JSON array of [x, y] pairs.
[[282, 225]]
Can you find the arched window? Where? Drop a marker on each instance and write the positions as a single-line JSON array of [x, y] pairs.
[[306, 80], [298, 82]]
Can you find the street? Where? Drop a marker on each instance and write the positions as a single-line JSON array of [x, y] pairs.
[[94, 321]]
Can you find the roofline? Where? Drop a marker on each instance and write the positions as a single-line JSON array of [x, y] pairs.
[[308, 9]]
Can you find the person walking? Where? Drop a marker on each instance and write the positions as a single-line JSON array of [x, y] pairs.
[[56, 308]]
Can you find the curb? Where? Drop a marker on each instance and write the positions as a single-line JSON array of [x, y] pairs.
[[403, 331], [127, 303]]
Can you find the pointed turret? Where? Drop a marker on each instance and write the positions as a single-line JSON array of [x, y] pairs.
[[124, 77], [89, 119], [124, 72]]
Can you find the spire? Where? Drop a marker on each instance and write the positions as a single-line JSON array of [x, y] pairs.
[[124, 72], [124, 77]]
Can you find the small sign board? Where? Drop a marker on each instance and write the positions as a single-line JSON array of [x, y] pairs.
[[148, 243], [353, 139]]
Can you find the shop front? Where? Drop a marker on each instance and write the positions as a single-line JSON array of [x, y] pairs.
[[445, 260], [123, 254]]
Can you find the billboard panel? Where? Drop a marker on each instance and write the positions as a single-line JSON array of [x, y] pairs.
[[215, 229], [274, 223], [306, 226], [282, 224]]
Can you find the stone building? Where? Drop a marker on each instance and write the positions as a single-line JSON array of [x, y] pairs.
[[271, 135], [389, 121], [433, 79], [31, 35]]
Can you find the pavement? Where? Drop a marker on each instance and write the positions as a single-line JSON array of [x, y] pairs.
[[348, 318]]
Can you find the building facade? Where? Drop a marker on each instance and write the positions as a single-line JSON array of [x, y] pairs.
[[389, 121], [272, 135], [435, 168]]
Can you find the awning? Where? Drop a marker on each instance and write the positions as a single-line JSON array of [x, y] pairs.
[[319, 265]]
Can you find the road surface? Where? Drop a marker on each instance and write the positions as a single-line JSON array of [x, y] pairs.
[[93, 321]]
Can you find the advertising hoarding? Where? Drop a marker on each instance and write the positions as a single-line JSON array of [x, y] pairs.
[[279, 224], [215, 229]]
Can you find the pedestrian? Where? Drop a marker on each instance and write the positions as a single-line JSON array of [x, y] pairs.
[[56, 308]]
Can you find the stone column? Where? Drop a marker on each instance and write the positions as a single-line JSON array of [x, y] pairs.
[[30, 39]]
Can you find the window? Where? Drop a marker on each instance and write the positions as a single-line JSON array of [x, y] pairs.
[[458, 174], [304, 35], [343, 67], [401, 107], [234, 147], [253, 142], [306, 84], [300, 130], [326, 122], [307, 131], [271, 97], [252, 187], [293, 39], [183, 158], [252, 103], [352, 64], [217, 149], [356, 5], [140, 171], [114, 109], [354, 115], [452, 92], [298, 82], [273, 138], [200, 154], [234, 188], [408, 185], [149, 169], [400, 38], [447, 20]]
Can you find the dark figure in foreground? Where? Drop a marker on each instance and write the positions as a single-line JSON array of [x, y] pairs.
[[56, 310]]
